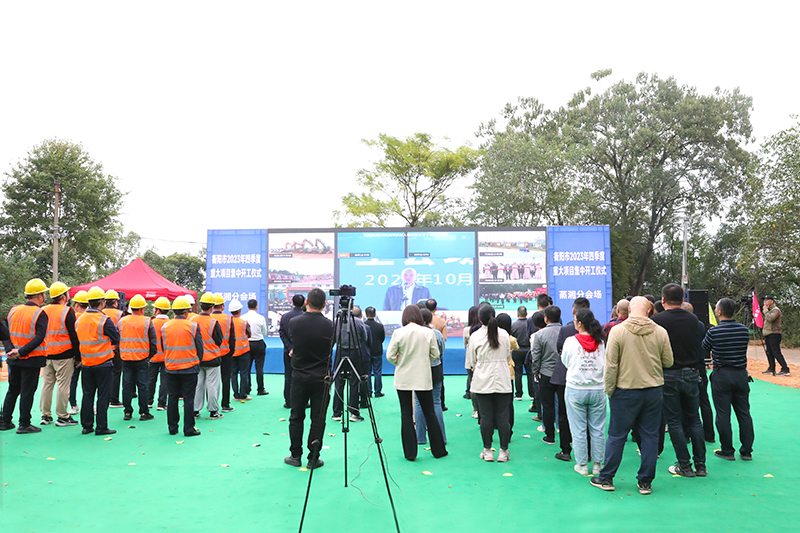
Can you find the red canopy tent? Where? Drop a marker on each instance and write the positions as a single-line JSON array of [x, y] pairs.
[[138, 278]]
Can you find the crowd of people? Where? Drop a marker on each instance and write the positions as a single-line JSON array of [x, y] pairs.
[[198, 358], [646, 369], [514, 271]]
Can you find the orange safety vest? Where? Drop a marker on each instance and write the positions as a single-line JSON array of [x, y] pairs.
[[158, 323], [179, 349], [134, 342], [78, 310], [113, 314], [240, 331], [226, 323], [190, 315], [57, 335], [210, 348], [96, 348], [22, 326]]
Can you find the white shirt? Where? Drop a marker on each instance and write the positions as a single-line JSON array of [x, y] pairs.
[[489, 365], [258, 325]]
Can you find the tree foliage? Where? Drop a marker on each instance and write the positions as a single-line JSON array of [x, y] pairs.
[[186, 270], [410, 183], [635, 157], [88, 211]]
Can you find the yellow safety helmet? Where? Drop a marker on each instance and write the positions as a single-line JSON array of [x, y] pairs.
[[81, 297], [35, 286], [208, 298], [111, 294], [138, 302], [162, 303], [96, 293], [57, 289], [218, 299], [180, 303]]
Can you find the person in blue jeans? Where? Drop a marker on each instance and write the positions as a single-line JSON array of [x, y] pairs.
[[636, 354], [437, 374], [584, 356]]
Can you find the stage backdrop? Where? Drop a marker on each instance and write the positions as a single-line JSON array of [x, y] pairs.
[[394, 267]]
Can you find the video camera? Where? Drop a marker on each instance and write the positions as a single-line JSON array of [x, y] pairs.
[[345, 294]]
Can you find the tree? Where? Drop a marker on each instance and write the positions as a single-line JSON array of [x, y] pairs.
[[15, 271], [410, 182], [635, 157], [89, 202]]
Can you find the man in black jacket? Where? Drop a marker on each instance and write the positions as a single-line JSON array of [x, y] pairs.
[[311, 335], [376, 351], [283, 331], [681, 393]]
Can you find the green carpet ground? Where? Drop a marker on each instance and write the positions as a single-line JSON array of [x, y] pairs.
[[145, 480]]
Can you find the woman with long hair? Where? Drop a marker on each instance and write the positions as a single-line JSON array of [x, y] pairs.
[[472, 319], [488, 354], [412, 349], [584, 356]]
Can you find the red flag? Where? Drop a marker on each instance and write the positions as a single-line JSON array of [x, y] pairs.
[[758, 318]]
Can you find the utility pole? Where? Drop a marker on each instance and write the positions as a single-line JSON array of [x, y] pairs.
[[55, 226], [684, 270]]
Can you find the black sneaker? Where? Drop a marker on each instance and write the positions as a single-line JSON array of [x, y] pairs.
[[681, 469], [22, 430], [215, 415], [87, 431], [356, 418], [69, 421], [115, 405], [444, 408], [604, 484], [700, 470], [287, 406], [228, 409], [193, 433], [105, 431], [721, 455], [768, 371], [146, 416], [128, 416], [161, 408], [645, 487], [6, 426], [746, 456], [379, 395], [196, 415], [318, 464], [783, 373], [46, 420], [548, 441], [467, 396], [262, 393], [563, 456], [292, 461]]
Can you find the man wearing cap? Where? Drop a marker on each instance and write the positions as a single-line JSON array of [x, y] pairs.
[[182, 343], [772, 337], [155, 367], [81, 303], [63, 350], [258, 348], [283, 330], [98, 337], [208, 377], [226, 350], [110, 309], [137, 345], [27, 353]]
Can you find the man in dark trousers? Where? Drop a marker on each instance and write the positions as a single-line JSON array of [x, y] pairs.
[[730, 382], [27, 354], [182, 344], [311, 335], [681, 393], [283, 330], [519, 330], [345, 345], [544, 353], [772, 337], [376, 351]]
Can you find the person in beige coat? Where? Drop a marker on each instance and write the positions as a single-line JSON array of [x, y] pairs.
[[411, 350]]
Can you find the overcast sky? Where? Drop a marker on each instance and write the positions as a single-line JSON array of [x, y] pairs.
[[251, 114]]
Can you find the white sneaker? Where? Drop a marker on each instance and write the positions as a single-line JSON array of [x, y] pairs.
[[503, 456], [596, 469], [582, 470], [487, 455], [74, 410], [540, 429], [475, 415]]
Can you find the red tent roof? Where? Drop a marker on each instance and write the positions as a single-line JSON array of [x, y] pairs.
[[138, 278]]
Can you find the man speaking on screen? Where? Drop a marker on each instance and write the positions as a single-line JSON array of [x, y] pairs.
[[398, 297]]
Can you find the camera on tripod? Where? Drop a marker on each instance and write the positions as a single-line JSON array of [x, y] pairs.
[[345, 294]]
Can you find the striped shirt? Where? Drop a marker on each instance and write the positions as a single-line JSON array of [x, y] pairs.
[[728, 344]]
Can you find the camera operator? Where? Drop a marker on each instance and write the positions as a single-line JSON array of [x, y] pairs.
[[311, 335]]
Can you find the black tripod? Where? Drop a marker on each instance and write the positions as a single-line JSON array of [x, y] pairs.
[[346, 369]]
